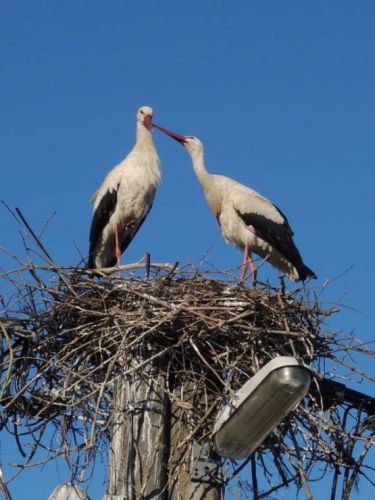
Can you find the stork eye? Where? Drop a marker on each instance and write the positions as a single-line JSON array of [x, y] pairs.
[[142, 112]]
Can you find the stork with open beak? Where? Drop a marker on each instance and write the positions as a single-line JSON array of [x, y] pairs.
[[125, 197], [247, 219]]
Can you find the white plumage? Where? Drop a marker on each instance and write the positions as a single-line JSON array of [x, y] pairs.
[[246, 219], [125, 197]]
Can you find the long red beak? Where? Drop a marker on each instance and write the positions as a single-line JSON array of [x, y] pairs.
[[179, 138], [147, 122]]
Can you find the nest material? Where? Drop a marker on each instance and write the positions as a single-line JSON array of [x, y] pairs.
[[68, 337]]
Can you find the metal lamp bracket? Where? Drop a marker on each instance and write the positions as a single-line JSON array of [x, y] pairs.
[[204, 467]]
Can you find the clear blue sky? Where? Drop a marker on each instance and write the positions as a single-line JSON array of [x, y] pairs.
[[281, 94]]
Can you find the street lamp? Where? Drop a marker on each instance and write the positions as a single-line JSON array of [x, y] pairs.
[[259, 406]]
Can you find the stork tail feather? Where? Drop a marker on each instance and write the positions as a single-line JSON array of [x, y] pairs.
[[305, 273]]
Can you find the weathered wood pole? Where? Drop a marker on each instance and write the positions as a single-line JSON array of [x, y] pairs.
[[138, 452], [145, 461]]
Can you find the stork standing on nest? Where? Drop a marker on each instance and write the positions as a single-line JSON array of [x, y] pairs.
[[246, 219], [123, 201]]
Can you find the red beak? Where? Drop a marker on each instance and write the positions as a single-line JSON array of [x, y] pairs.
[[147, 122], [179, 138]]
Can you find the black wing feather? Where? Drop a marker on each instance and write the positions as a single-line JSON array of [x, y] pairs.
[[100, 219], [286, 222], [279, 236], [128, 237]]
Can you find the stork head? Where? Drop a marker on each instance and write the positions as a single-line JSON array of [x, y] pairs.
[[192, 144], [144, 116]]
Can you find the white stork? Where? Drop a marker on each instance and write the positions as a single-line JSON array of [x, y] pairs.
[[123, 201], [246, 219]]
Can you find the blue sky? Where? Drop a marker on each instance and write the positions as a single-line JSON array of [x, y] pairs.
[[281, 94]]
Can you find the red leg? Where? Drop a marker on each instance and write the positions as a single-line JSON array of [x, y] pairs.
[[248, 264], [252, 267], [118, 251], [245, 263]]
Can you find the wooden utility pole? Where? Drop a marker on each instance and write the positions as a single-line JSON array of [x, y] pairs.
[[139, 442], [144, 456]]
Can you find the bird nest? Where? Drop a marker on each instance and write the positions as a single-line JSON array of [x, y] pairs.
[[68, 337]]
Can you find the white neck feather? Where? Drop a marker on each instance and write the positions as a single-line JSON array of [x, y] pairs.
[[197, 158], [143, 136], [207, 181]]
